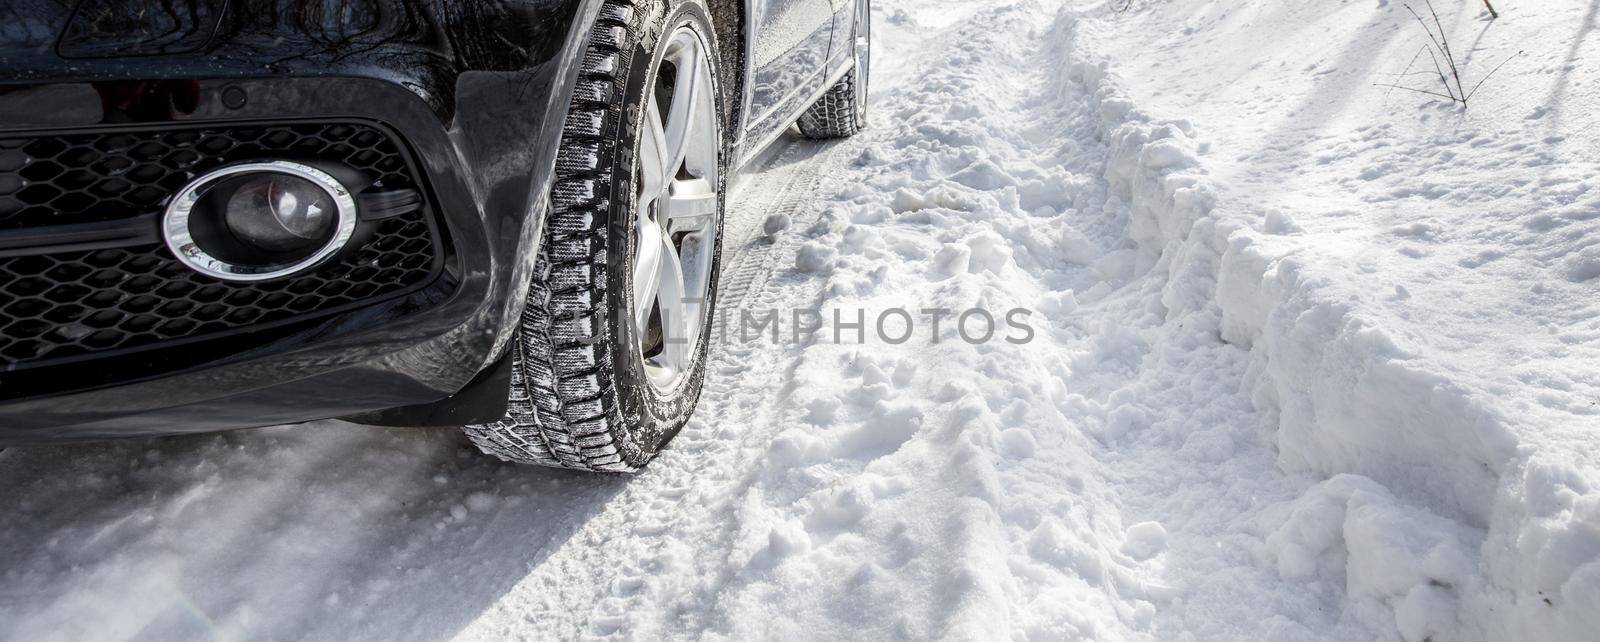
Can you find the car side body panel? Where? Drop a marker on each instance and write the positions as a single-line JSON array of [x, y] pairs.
[[787, 58], [840, 54]]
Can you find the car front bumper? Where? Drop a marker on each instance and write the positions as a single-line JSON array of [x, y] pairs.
[[481, 137]]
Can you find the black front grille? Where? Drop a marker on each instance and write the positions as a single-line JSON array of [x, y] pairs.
[[77, 304], [85, 178]]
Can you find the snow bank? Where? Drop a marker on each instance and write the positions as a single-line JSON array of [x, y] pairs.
[[1437, 509], [1393, 555]]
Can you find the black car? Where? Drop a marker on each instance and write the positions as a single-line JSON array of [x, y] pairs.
[[503, 214]]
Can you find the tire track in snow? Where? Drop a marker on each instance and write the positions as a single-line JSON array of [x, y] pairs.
[[905, 478], [714, 457]]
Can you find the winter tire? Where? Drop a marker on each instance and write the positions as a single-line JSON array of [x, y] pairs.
[[610, 356], [842, 112]]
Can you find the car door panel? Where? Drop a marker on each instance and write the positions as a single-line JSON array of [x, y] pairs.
[[842, 45], [789, 57]]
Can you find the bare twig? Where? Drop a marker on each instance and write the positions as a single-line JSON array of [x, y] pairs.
[[1486, 76], [1455, 70], [1420, 91], [1445, 66], [1492, 13], [1424, 24], [1442, 79], [1407, 69]]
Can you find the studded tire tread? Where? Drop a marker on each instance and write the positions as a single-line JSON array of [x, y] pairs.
[[834, 115], [559, 413]]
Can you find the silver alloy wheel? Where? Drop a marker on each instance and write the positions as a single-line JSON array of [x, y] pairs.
[[676, 222]]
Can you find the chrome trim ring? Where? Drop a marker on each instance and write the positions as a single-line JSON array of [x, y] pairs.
[[176, 230]]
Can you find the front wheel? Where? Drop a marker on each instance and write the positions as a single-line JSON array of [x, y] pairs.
[[610, 356], [842, 112]]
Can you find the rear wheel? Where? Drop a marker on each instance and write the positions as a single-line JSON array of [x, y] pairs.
[[610, 355], [842, 112]]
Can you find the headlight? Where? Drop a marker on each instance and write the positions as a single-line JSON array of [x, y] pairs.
[[259, 221]]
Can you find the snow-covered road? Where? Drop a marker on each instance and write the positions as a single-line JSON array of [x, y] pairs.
[[1111, 477]]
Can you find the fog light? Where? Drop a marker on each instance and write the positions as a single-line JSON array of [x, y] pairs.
[[259, 221], [279, 213]]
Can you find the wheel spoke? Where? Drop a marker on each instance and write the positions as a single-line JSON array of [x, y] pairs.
[[675, 310], [647, 271], [666, 137], [653, 157], [681, 116]]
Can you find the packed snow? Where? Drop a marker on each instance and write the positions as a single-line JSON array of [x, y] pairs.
[[1163, 323]]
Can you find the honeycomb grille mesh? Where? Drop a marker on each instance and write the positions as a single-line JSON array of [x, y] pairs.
[[75, 304], [83, 178]]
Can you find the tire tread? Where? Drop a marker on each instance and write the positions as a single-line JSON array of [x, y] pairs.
[[834, 115], [562, 411]]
